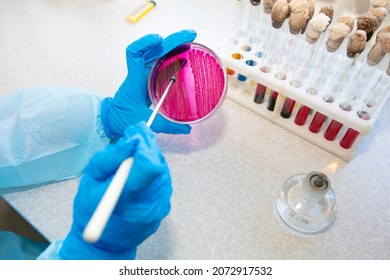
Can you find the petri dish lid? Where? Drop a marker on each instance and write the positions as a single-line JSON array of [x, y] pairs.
[[200, 86]]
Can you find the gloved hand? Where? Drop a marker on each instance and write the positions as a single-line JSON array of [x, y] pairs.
[[131, 102], [144, 202]]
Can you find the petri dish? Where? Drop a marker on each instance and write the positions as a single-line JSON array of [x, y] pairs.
[[200, 86]]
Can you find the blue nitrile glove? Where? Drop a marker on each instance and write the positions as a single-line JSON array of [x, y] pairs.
[[144, 202], [131, 102]]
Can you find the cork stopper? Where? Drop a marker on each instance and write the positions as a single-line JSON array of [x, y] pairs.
[[317, 25], [309, 15], [380, 3], [289, 10], [348, 20], [337, 33], [368, 23], [312, 9], [357, 43], [379, 49], [380, 13], [279, 13], [299, 15], [329, 11], [384, 40], [267, 5]]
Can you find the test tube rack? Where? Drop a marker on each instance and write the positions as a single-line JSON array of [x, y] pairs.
[[243, 60]]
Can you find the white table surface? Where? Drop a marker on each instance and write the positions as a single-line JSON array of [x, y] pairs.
[[226, 174]]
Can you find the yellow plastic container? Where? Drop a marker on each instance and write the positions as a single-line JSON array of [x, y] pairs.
[[142, 10]]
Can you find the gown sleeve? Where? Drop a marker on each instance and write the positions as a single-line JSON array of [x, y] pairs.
[[48, 134], [52, 251]]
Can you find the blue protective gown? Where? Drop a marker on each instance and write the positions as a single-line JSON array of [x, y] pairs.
[[47, 135]]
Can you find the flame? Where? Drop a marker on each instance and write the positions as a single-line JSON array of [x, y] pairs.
[[332, 168]]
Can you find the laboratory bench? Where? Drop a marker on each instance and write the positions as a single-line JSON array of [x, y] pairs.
[[226, 174]]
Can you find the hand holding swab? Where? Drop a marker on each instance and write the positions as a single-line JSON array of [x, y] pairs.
[[99, 219]]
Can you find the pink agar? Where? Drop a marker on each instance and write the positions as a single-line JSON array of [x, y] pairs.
[[199, 88]]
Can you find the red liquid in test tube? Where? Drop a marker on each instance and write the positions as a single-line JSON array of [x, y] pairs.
[[332, 130], [317, 122], [272, 100], [287, 108], [259, 93], [349, 138], [302, 115]]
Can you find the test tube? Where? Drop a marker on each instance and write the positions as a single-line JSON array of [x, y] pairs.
[[353, 93], [302, 115], [298, 77], [289, 53], [237, 56], [316, 123], [340, 76], [254, 18], [259, 93], [237, 18], [307, 66], [282, 46], [301, 71], [246, 48], [369, 107], [310, 51], [270, 56], [360, 84], [235, 27], [287, 108], [254, 38], [349, 99], [375, 98], [349, 138], [236, 14], [286, 52], [266, 63], [260, 89], [272, 100], [239, 24], [319, 75], [333, 91], [336, 35], [332, 130]]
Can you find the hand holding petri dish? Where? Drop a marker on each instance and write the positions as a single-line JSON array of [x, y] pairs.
[[200, 86]]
